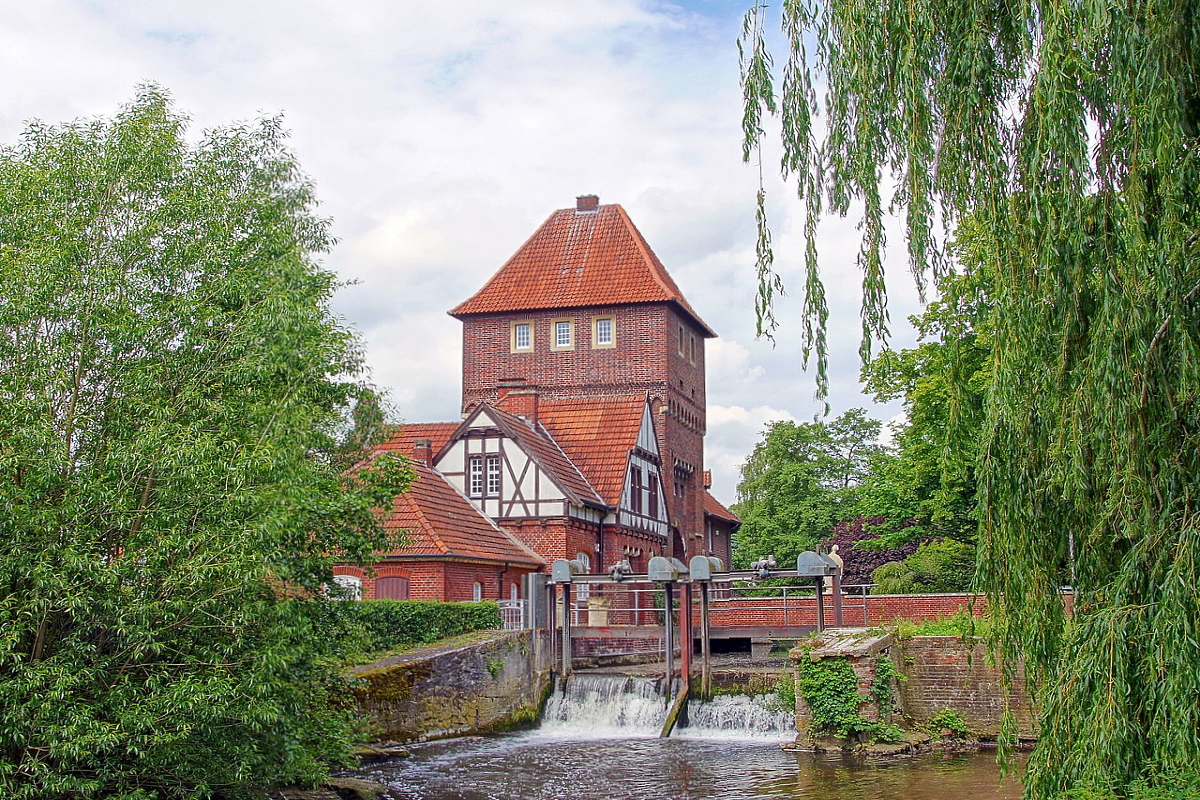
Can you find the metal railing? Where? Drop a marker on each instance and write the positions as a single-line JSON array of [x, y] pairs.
[[512, 614], [642, 604]]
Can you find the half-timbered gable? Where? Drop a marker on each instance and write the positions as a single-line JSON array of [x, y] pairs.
[[643, 505], [512, 469]]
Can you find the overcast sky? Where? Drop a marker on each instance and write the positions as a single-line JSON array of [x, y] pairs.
[[440, 135]]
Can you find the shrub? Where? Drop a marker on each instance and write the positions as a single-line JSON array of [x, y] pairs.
[[943, 565], [948, 720], [388, 624]]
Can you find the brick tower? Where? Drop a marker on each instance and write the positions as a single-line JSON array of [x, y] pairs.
[[584, 309]]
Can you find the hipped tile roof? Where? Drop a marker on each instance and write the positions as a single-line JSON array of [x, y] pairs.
[[713, 508], [439, 521], [579, 259], [597, 434]]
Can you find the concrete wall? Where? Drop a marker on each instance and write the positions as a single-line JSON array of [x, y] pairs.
[[944, 672], [443, 691]]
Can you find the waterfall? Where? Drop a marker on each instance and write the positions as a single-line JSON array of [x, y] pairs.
[[608, 706], [604, 706]]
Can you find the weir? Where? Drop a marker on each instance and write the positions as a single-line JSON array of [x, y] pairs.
[[606, 706]]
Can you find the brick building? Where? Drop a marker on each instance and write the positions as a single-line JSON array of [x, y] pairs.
[[583, 408]]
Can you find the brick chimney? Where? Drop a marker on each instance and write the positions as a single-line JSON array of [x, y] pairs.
[[587, 202], [517, 398], [423, 451]]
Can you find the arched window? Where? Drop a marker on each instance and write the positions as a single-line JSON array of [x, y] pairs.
[[346, 587], [514, 591], [477, 592], [392, 587]]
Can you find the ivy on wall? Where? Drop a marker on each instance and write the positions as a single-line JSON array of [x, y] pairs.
[[830, 688]]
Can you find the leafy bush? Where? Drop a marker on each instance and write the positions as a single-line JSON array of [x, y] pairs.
[[862, 550], [388, 624], [962, 625], [948, 720], [830, 688], [943, 565]]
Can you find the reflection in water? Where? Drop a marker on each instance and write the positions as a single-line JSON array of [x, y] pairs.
[[535, 766]]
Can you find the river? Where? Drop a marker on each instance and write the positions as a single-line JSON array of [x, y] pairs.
[[532, 766], [599, 742]]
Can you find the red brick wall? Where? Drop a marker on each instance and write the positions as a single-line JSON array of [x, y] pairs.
[[943, 672], [427, 579], [438, 580], [880, 609], [553, 538]]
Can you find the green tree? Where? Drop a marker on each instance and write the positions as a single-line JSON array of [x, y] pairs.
[[800, 481], [1070, 133], [171, 379], [925, 485]]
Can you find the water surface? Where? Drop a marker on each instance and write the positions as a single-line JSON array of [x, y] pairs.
[[534, 766]]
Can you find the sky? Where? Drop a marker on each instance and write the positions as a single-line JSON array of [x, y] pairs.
[[441, 135]]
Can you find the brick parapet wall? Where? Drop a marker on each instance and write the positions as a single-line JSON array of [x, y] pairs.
[[879, 609]]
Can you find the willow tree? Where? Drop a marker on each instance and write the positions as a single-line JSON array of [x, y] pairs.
[[171, 488], [1069, 130]]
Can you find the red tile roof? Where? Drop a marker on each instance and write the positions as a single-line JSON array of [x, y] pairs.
[[713, 508], [538, 443], [402, 440], [439, 521], [597, 434], [579, 259]]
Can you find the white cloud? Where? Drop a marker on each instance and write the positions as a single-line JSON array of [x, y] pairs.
[[440, 139]]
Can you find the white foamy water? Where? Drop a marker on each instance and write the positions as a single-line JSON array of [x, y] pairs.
[[614, 706]]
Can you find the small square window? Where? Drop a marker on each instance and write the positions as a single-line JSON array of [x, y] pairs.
[[603, 332], [564, 335], [522, 337]]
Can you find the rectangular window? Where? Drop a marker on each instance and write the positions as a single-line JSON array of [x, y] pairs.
[[493, 476], [603, 333], [692, 347], [681, 350], [635, 490], [564, 335], [475, 476], [522, 336], [653, 492]]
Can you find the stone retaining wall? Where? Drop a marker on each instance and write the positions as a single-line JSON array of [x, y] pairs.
[[488, 684]]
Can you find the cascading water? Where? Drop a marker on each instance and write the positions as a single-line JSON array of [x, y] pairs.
[[605, 706], [599, 706]]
